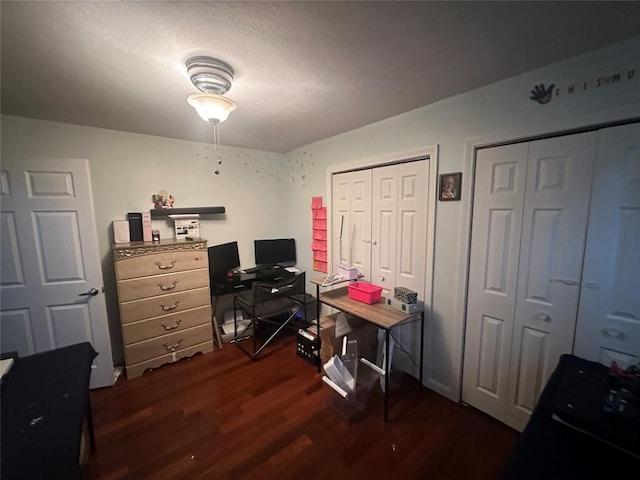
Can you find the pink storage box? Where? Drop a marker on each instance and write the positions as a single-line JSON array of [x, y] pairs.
[[364, 292]]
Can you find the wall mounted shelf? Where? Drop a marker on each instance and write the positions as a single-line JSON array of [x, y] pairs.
[[158, 213]]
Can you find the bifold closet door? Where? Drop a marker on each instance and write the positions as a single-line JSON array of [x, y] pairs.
[[495, 247], [531, 203], [608, 327], [351, 221], [399, 225], [556, 209]]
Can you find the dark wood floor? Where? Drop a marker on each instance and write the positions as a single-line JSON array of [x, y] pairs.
[[222, 416]]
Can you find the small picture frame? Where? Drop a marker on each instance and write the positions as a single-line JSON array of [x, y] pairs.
[[449, 186]]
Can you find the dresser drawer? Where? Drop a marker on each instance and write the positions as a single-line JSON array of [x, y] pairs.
[[138, 369], [167, 344], [139, 288], [164, 305], [159, 263], [173, 323]]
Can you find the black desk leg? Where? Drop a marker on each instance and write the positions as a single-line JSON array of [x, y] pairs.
[[318, 327], [92, 438], [387, 369]]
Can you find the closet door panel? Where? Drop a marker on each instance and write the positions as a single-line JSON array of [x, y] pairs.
[[495, 246], [413, 194], [608, 325], [550, 265], [399, 225], [351, 210], [341, 219], [384, 226]]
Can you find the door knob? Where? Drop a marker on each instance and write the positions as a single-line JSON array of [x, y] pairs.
[[543, 316], [92, 292]]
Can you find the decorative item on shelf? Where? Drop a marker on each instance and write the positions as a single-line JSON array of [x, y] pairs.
[[162, 200], [212, 77], [406, 295], [450, 184]]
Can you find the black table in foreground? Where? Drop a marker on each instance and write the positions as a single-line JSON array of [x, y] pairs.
[[588, 443], [45, 401]]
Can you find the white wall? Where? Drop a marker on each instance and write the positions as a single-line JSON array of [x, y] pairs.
[[126, 169], [501, 111]]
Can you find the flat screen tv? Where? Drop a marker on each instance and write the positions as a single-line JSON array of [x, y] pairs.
[[223, 259], [277, 251]]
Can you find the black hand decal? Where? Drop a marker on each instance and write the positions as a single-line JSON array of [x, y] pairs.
[[542, 95]]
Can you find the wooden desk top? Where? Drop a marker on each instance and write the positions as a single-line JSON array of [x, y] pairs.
[[378, 313]]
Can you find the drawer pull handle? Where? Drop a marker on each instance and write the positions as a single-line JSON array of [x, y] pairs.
[[170, 287], [171, 328], [172, 348], [166, 267], [172, 307]]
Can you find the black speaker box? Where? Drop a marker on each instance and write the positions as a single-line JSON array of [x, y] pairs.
[[135, 226]]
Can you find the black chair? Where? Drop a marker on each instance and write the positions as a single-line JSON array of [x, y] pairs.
[[274, 304]]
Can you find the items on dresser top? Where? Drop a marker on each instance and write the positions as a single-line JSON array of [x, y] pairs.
[[165, 301]]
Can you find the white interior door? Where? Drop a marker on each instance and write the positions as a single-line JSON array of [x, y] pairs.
[[608, 327], [351, 221], [554, 227], [50, 258], [495, 245], [399, 225]]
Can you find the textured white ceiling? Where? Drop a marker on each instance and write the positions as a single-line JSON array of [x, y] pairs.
[[304, 70]]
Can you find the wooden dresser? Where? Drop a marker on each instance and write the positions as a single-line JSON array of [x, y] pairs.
[[165, 302]]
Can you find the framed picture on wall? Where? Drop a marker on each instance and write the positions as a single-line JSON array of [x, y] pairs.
[[450, 184]]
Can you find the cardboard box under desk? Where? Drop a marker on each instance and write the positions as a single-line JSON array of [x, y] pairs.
[[365, 333]]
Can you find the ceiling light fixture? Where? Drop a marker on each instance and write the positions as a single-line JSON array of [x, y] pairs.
[[213, 78]]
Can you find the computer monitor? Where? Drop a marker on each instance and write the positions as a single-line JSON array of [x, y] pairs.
[[223, 258], [278, 251]]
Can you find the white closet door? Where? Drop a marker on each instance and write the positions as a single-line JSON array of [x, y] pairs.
[[609, 315], [351, 220], [399, 225], [554, 228], [495, 245]]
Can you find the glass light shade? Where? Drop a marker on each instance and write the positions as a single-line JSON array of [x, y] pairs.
[[211, 107]]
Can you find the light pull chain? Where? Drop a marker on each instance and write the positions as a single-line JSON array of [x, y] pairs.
[[216, 144]]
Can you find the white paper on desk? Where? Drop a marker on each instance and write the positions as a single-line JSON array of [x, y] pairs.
[[292, 269]]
